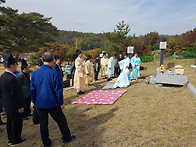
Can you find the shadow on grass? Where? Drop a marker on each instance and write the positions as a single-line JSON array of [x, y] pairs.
[[88, 130], [100, 81], [136, 82]]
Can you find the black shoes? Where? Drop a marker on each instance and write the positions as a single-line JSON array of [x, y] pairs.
[[97, 86], [72, 139], [80, 92], [17, 143], [109, 79], [48, 145]]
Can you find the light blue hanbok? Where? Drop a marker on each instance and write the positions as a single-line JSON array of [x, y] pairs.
[[123, 64], [110, 68], [123, 80], [135, 62]]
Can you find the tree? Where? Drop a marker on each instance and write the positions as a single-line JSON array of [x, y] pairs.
[[57, 49], [120, 36], [24, 32], [190, 36], [176, 44], [151, 39], [141, 48], [94, 53], [71, 54], [2, 1], [91, 42]]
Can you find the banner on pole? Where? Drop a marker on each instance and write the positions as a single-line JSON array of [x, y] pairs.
[[130, 49], [163, 45]]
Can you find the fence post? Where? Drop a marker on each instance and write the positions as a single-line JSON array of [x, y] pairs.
[[154, 57], [174, 56]]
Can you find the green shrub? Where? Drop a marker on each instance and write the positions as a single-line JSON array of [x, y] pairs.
[[147, 58], [34, 58]]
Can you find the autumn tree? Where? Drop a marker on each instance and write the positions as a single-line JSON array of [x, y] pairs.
[[176, 44], [190, 36], [57, 49], [141, 48], [94, 53]]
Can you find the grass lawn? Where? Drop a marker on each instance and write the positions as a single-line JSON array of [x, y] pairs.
[[146, 115]]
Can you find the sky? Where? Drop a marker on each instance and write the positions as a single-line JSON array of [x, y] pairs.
[[170, 17]]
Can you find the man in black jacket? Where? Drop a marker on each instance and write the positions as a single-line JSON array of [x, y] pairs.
[[96, 68], [1, 108], [13, 100], [24, 81], [57, 66]]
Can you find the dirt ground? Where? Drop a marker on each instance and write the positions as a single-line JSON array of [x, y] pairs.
[[146, 115]]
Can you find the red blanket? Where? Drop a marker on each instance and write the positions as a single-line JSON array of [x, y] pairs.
[[100, 97]]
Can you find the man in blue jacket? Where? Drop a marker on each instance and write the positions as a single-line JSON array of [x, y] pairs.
[[47, 96]]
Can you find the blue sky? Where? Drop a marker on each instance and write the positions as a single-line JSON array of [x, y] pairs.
[[143, 16]]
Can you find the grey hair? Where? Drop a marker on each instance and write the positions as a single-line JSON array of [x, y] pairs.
[[47, 57]]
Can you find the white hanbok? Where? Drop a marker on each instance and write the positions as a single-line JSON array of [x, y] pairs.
[[124, 63], [123, 80], [110, 68]]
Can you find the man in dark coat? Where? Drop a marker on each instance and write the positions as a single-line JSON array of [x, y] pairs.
[[96, 67], [72, 71], [57, 66], [120, 57], [24, 81], [1, 109], [13, 100]]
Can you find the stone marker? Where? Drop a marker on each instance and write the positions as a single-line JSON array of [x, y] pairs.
[[172, 79]]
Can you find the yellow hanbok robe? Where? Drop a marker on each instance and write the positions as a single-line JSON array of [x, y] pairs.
[[79, 78], [104, 63], [89, 70]]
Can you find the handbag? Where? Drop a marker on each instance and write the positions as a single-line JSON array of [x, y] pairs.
[[35, 116]]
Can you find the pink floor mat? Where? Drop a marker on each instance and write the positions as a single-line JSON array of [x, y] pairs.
[[100, 97]]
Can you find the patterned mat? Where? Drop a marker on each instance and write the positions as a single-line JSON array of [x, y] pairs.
[[100, 97]]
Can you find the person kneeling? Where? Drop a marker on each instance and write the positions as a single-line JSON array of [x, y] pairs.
[[123, 80]]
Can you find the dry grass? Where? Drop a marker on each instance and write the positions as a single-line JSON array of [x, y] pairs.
[[145, 115]]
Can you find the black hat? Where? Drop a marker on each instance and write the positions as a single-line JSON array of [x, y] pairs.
[[23, 64], [39, 61], [78, 52], [56, 57], [8, 60], [130, 66], [89, 57], [135, 52], [115, 55]]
